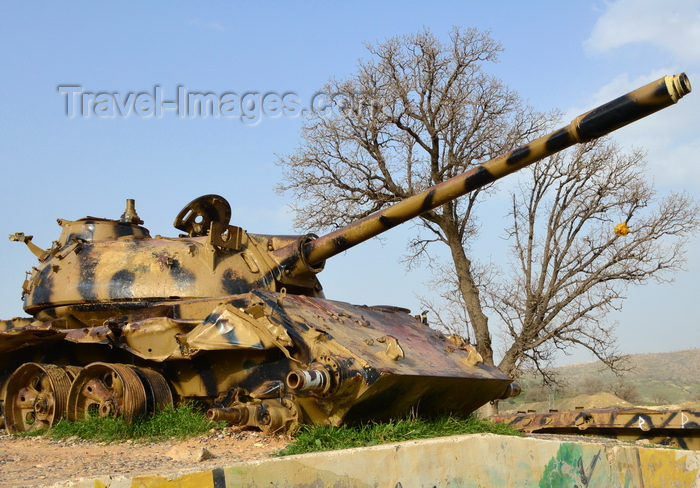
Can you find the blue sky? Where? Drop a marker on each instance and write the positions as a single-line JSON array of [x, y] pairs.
[[566, 55]]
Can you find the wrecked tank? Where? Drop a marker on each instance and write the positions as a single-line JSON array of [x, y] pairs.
[[123, 323]]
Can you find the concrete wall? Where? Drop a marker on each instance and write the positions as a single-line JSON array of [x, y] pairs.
[[461, 461]]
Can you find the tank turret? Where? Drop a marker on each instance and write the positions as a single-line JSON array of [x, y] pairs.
[[238, 321]]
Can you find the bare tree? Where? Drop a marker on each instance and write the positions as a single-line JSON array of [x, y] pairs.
[[419, 112], [625, 390], [586, 224], [416, 114]]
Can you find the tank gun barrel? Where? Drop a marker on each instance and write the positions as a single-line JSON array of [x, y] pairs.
[[600, 121]]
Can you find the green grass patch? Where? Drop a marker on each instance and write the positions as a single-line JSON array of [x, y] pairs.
[[180, 422], [324, 438]]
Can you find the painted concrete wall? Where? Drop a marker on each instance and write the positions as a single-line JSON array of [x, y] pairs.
[[461, 461]]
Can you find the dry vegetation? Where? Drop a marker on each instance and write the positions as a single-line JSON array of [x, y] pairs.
[[652, 379]]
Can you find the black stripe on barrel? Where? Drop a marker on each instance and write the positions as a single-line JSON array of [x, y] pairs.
[[518, 155], [427, 203], [387, 222], [341, 243], [478, 178], [614, 115], [559, 140]]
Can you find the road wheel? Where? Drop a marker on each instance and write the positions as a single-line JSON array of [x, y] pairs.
[[158, 393], [36, 396], [107, 390]]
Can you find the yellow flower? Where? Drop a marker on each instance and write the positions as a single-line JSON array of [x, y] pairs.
[[622, 229]]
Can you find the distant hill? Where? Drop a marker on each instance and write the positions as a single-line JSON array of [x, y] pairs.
[[653, 379]]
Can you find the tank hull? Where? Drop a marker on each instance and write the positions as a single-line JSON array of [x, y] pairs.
[[239, 351], [123, 323]]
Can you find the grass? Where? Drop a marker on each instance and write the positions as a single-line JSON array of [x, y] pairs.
[[324, 438], [180, 422], [186, 421]]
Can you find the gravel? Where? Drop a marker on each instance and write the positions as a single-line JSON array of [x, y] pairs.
[[40, 461]]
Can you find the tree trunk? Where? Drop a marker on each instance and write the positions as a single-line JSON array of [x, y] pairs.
[[508, 363], [470, 294]]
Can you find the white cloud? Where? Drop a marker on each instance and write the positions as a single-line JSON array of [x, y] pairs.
[[671, 25], [670, 137]]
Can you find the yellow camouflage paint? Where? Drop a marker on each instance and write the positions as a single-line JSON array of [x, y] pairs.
[[238, 321]]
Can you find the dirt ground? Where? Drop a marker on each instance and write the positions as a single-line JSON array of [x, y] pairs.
[[38, 461]]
